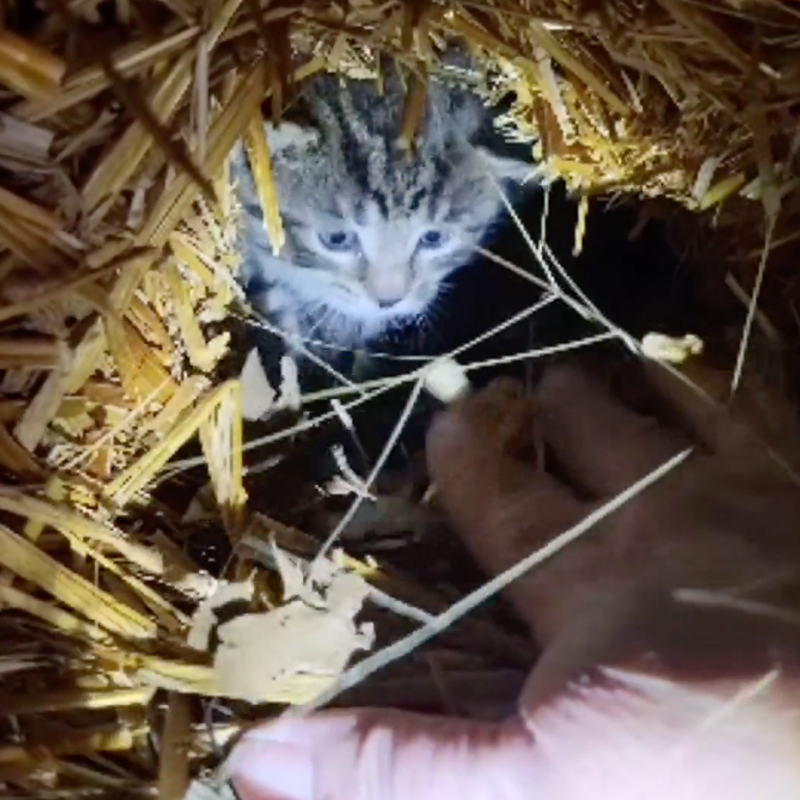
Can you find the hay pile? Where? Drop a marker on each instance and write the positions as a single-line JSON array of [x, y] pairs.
[[117, 270]]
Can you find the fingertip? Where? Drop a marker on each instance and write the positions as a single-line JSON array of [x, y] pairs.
[[501, 399], [277, 760], [477, 437], [264, 769], [503, 391], [487, 419]]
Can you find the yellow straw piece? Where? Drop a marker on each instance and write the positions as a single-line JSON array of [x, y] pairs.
[[48, 702], [141, 472], [722, 190], [26, 560], [48, 612], [221, 437], [263, 174], [28, 68], [116, 739], [580, 225]]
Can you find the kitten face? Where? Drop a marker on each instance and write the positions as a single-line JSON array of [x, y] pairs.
[[372, 230]]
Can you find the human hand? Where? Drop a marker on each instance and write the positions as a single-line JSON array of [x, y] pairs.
[[628, 701], [724, 521]]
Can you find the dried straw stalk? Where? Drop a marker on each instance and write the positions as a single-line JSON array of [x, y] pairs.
[[116, 211]]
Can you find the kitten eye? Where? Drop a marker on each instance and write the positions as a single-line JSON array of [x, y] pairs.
[[338, 240], [432, 239]]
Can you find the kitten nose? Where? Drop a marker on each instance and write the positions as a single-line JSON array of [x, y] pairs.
[[388, 285]]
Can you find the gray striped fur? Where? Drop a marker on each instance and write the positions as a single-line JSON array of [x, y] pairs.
[[339, 168]]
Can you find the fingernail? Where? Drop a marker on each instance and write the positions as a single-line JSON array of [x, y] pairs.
[[267, 770]]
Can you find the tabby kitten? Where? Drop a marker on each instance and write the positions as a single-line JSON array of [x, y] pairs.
[[372, 230]]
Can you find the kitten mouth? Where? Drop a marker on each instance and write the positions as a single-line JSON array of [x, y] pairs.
[[366, 302]]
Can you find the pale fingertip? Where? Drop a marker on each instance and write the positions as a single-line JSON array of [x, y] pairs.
[[261, 769]]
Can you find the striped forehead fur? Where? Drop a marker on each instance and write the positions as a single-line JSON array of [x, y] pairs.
[[361, 128]]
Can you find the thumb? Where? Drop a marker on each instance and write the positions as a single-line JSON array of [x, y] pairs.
[[382, 754]]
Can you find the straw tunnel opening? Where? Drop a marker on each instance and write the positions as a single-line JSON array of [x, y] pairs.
[[131, 483]]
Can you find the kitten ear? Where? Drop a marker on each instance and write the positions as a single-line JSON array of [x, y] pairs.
[[289, 134], [509, 169]]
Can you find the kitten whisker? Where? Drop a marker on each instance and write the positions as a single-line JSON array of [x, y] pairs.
[[542, 254], [294, 341], [322, 317]]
